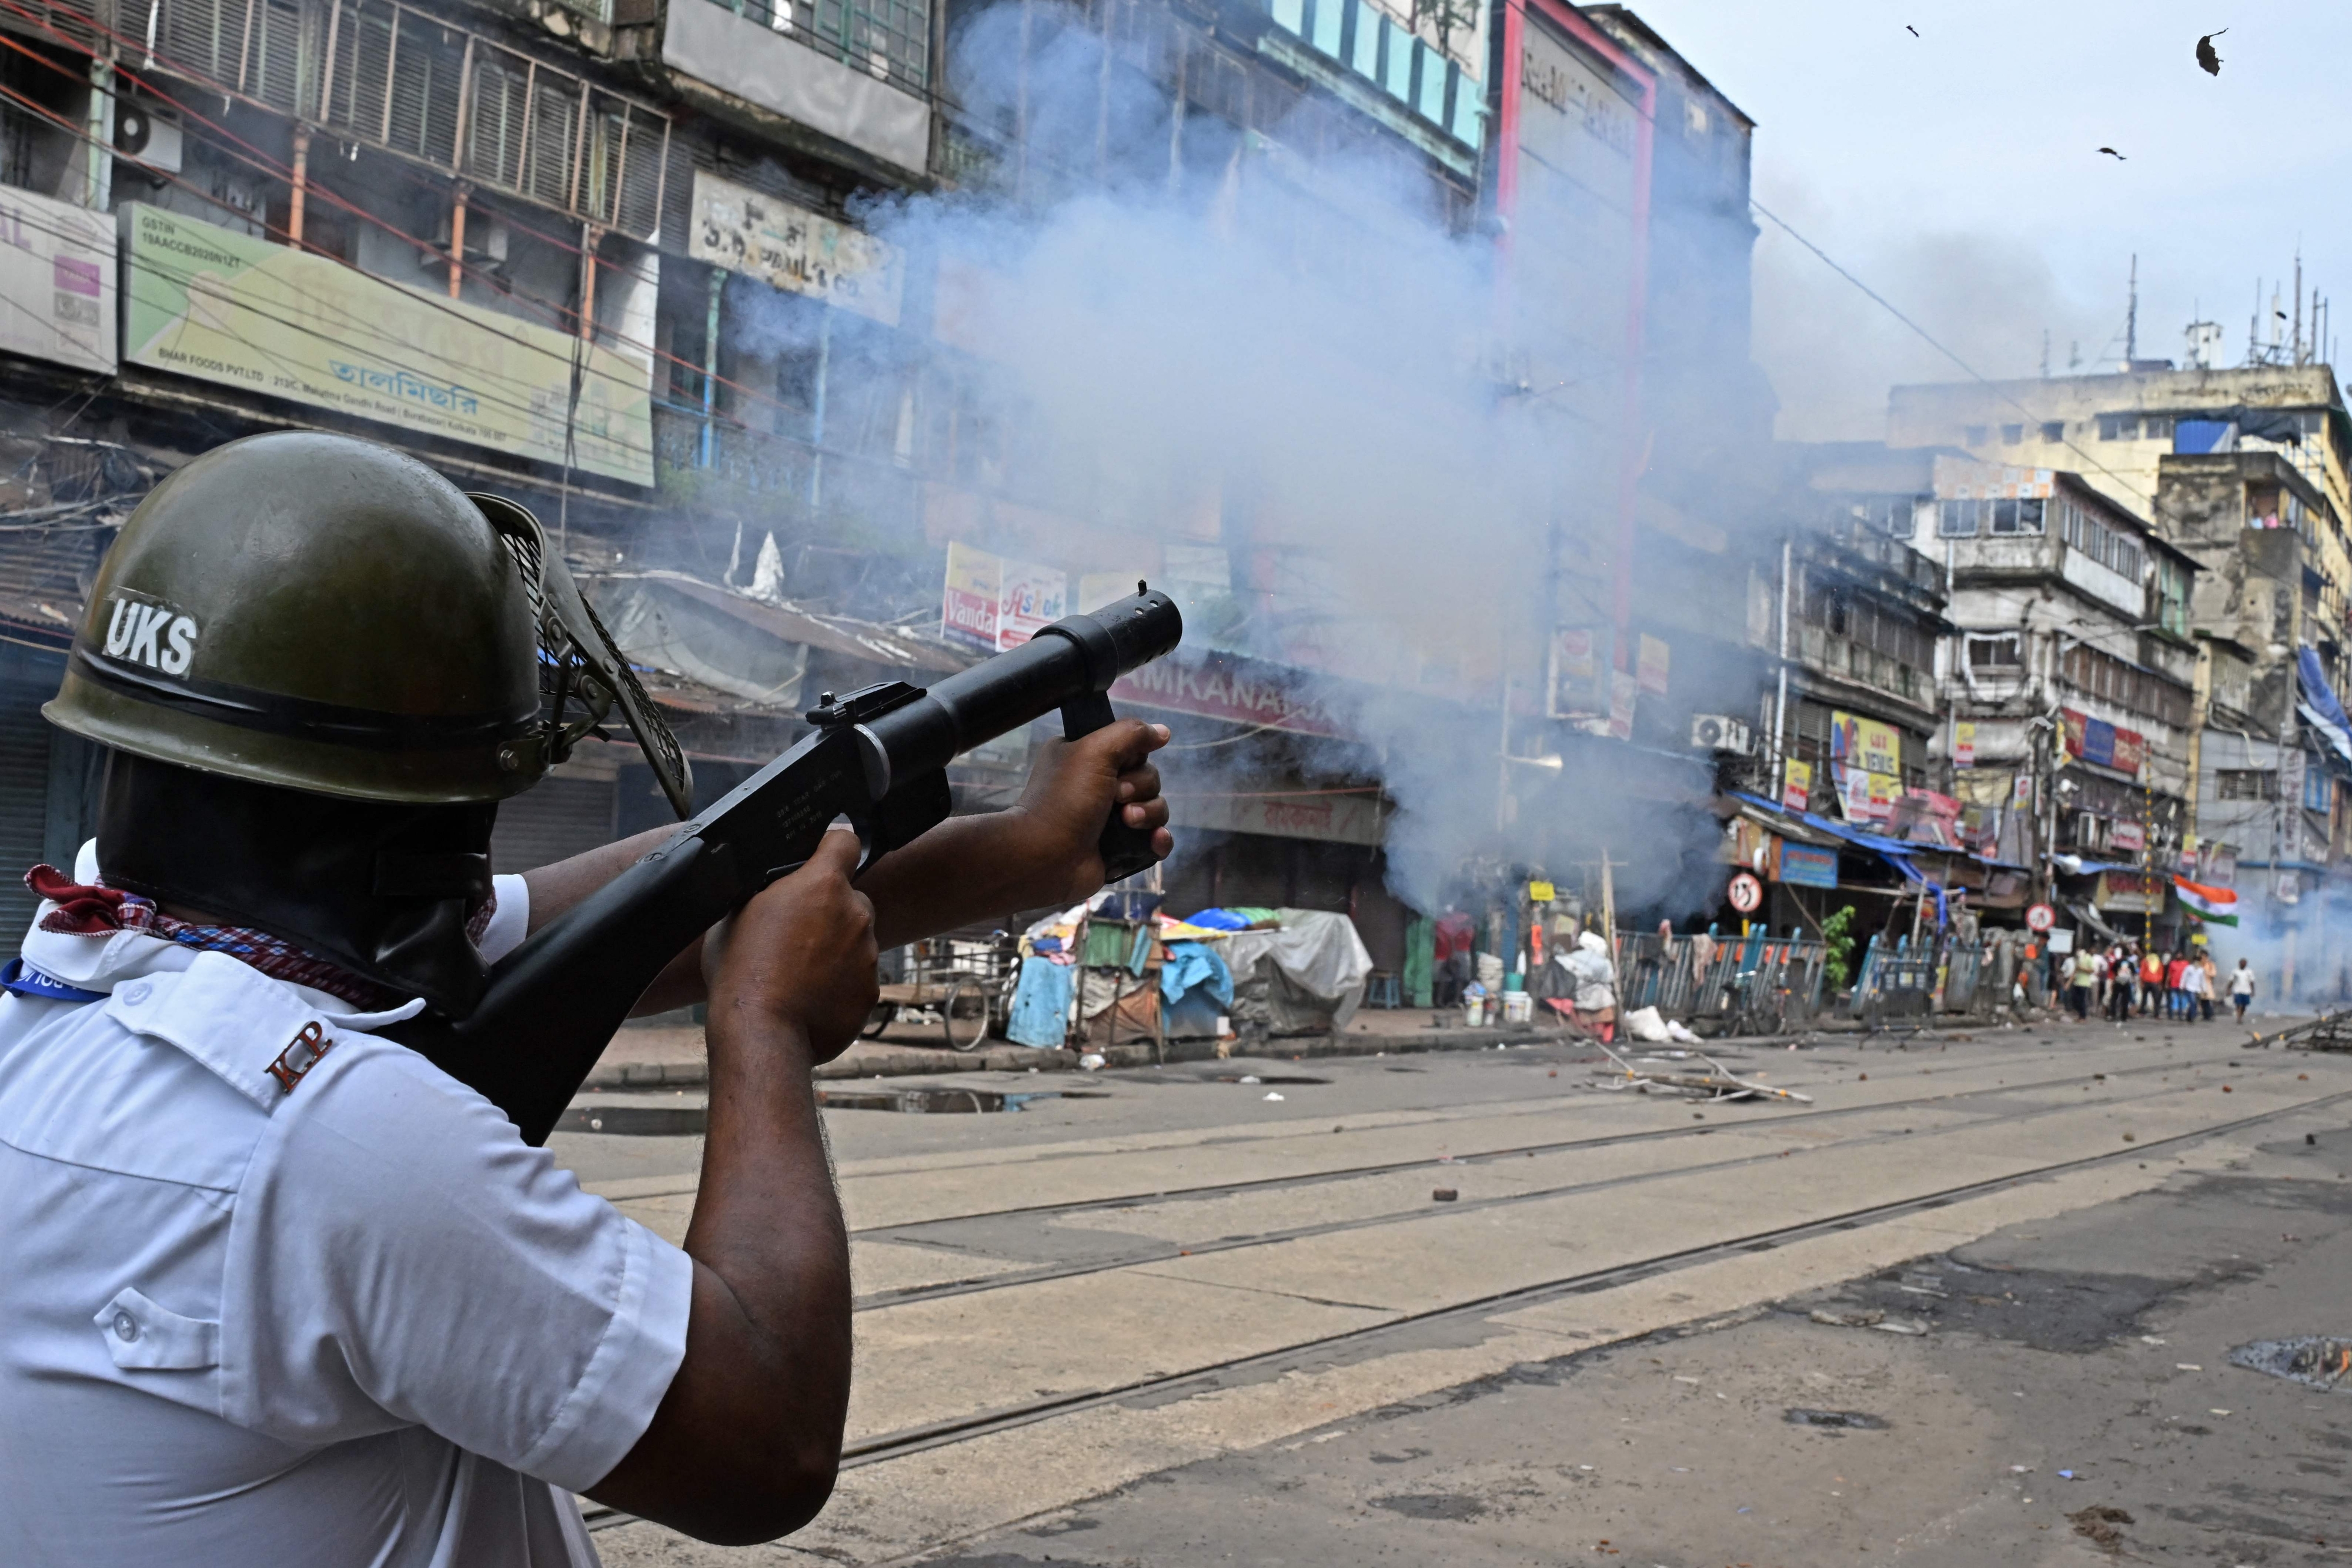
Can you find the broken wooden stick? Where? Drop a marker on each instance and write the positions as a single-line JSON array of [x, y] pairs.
[[1720, 1084]]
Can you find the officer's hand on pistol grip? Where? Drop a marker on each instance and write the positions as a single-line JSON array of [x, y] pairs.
[[1074, 789], [801, 954]]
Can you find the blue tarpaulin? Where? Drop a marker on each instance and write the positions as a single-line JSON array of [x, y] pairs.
[[1943, 911], [1040, 1004], [1192, 963], [2319, 704]]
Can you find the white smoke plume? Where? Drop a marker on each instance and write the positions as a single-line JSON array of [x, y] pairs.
[[1296, 361]]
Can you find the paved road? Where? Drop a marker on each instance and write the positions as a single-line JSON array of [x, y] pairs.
[[1189, 1320]]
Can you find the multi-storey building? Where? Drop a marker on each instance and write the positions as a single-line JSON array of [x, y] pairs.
[[631, 263], [2070, 684], [2269, 781], [2118, 430]]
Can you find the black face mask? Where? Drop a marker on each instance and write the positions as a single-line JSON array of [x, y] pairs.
[[384, 889]]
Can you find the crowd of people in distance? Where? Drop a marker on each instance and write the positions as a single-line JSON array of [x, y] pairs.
[[2121, 981]]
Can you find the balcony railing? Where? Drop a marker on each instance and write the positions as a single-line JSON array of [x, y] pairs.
[[1833, 656], [390, 77]]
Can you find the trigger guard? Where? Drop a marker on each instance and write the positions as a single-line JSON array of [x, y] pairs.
[[863, 826]]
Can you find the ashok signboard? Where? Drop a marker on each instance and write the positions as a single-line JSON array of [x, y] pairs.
[[226, 307], [990, 603], [791, 247], [57, 281]]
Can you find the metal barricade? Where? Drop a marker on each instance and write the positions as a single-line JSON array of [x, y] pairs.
[[1898, 979], [1757, 984]]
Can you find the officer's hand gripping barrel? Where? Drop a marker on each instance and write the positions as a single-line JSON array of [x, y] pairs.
[[878, 757]]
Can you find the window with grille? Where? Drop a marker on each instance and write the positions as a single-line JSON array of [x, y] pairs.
[[1894, 515], [2126, 685], [2245, 784], [2098, 538], [386, 76], [888, 40], [2006, 652]]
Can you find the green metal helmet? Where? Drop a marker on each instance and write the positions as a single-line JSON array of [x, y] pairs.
[[328, 614]]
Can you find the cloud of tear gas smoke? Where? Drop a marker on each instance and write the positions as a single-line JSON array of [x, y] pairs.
[[1295, 361], [1832, 354], [2300, 969]]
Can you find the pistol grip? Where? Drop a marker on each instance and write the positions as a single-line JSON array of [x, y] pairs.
[[1125, 850]]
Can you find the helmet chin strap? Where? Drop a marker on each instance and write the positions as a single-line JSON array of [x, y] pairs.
[[384, 889]]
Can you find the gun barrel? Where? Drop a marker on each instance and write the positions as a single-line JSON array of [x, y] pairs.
[[1076, 656]]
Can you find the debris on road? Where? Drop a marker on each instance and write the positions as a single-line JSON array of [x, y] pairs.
[[1850, 1420], [1720, 1084], [1848, 1317], [2317, 1361], [2098, 1524], [1443, 1195]]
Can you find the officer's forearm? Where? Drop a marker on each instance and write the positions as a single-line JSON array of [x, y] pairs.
[[744, 1445]]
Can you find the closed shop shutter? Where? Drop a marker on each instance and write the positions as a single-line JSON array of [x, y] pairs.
[[553, 820], [24, 803]]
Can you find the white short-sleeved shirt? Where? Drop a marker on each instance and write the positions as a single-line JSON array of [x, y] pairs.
[[357, 1322]]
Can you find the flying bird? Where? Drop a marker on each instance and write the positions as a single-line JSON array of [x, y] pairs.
[[2114, 154], [2206, 57], [1914, 32]]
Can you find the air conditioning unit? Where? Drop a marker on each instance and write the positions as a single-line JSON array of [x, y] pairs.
[[1718, 732], [154, 140]]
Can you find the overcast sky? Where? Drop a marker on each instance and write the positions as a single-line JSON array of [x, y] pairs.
[[1957, 174]]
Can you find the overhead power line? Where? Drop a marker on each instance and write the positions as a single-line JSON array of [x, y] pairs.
[[1934, 343]]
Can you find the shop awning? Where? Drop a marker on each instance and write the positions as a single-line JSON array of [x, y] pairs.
[[2090, 917], [2076, 865]]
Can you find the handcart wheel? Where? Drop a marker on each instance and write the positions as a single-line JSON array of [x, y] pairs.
[[963, 1015]]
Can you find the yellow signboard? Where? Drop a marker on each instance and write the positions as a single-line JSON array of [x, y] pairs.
[[1650, 664], [1796, 785], [1866, 744], [224, 307]]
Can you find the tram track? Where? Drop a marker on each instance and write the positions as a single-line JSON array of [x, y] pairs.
[[1319, 1349], [907, 1231], [1006, 1279]]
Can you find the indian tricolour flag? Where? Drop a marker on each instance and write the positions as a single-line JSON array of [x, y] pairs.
[[2215, 906]]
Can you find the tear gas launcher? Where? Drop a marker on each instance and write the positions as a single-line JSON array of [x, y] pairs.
[[878, 757]]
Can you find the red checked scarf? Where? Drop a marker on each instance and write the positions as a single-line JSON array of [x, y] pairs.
[[94, 909]]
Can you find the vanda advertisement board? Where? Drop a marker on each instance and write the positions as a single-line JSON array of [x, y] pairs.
[[223, 306]]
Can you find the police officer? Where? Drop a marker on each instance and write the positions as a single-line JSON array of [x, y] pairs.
[[272, 1288]]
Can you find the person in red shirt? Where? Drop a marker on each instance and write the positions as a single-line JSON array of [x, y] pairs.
[[1450, 953], [2151, 984], [2176, 987]]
